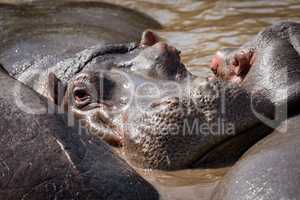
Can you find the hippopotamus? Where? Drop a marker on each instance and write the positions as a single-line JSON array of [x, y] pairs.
[[97, 38], [268, 62], [83, 82], [43, 158], [42, 33], [258, 89], [148, 59], [194, 126], [268, 170], [37, 36], [51, 55]]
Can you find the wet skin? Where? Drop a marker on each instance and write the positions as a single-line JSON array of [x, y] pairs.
[[170, 134], [165, 138], [151, 128], [43, 56], [269, 170], [150, 58], [102, 82], [43, 158], [268, 63], [39, 34]]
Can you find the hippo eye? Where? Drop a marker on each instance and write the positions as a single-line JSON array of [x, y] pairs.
[[80, 94]]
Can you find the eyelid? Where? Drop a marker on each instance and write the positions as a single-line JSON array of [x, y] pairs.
[[80, 94]]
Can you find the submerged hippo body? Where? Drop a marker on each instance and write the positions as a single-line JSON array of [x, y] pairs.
[[36, 36], [60, 40], [40, 34], [269, 170], [43, 158], [267, 74], [66, 38]]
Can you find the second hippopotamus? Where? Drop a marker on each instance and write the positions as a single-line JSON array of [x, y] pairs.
[[179, 132]]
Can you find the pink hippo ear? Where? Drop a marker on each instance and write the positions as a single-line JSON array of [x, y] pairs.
[[149, 38], [242, 62]]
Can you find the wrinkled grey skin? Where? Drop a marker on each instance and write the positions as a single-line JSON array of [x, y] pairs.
[[271, 84], [268, 63], [172, 137], [98, 79], [40, 34], [45, 44], [36, 36], [43, 158], [269, 170]]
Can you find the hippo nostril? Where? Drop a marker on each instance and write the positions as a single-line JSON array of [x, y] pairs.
[[214, 66], [80, 94], [235, 62], [162, 46]]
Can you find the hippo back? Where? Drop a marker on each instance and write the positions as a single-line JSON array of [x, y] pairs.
[[269, 170], [42, 158], [40, 34]]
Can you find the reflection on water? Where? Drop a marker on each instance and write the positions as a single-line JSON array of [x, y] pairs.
[[198, 29]]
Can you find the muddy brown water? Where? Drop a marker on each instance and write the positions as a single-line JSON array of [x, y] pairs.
[[198, 29]]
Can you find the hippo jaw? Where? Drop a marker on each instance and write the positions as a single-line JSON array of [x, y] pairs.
[[168, 139], [181, 131]]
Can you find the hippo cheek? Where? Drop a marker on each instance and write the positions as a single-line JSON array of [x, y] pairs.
[[98, 122], [166, 138]]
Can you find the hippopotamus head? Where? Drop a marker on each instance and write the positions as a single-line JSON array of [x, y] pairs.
[[96, 94], [256, 85]]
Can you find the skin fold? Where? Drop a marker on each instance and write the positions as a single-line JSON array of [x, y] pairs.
[[99, 87], [190, 127], [43, 158], [159, 140]]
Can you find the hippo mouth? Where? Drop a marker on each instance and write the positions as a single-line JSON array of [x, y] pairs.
[[98, 122]]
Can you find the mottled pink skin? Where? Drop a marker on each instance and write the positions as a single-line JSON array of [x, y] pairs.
[[232, 66]]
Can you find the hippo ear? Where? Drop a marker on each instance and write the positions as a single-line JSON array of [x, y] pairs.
[[149, 38], [56, 89]]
